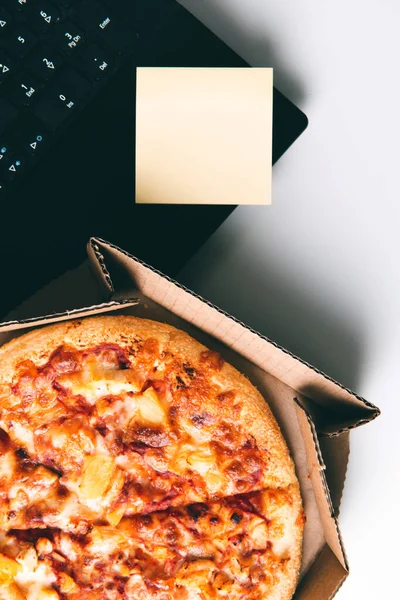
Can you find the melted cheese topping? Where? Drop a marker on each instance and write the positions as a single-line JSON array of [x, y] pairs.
[[215, 550], [95, 382], [102, 450], [80, 418], [35, 579]]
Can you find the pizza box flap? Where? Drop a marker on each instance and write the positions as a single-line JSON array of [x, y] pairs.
[[316, 470], [334, 408], [75, 313], [324, 578]]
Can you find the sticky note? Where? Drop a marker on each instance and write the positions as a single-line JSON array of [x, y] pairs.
[[203, 135]]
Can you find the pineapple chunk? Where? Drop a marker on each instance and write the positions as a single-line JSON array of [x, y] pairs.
[[9, 569], [97, 473], [94, 382], [11, 592], [203, 461], [259, 534], [28, 558], [160, 553], [115, 516], [215, 481], [105, 541], [44, 546], [66, 583], [123, 570], [150, 408], [48, 594]]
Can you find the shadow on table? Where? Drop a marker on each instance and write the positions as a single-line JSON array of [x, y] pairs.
[[291, 316]]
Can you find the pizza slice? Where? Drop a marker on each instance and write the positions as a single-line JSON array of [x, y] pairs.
[[244, 546]]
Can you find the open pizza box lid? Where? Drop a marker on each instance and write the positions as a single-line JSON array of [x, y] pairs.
[[315, 413]]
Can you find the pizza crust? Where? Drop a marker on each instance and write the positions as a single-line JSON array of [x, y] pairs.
[[38, 345]]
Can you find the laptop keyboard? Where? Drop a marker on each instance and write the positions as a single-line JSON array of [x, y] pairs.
[[55, 56]]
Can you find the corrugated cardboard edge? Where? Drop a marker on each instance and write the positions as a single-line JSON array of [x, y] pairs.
[[336, 453], [319, 456], [95, 252], [334, 537], [311, 436], [75, 313], [330, 568], [100, 263], [325, 576]]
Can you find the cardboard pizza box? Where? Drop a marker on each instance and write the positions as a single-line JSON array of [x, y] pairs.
[[315, 412]]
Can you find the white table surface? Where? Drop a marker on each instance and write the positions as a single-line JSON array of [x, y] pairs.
[[318, 270]]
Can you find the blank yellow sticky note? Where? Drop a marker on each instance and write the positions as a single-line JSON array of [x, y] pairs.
[[203, 135]]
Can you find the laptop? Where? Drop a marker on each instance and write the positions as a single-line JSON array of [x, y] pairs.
[[67, 108]]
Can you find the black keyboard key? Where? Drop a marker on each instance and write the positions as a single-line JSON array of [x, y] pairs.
[[5, 152], [5, 20], [34, 144], [20, 41], [69, 38], [15, 5], [32, 137], [8, 114], [13, 167], [66, 91], [23, 89], [42, 16], [6, 67], [96, 62], [44, 63], [108, 27], [68, 3], [92, 14], [118, 36]]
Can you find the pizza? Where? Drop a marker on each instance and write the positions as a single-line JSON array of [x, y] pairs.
[[135, 463]]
